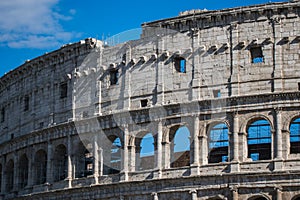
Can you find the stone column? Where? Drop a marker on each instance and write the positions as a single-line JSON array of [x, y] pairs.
[[155, 196], [278, 193], [137, 151], [243, 148], [278, 123], [195, 164], [166, 153], [194, 194], [49, 163], [235, 142], [30, 167], [278, 164], [16, 173], [96, 159], [159, 148], [196, 141], [100, 152], [204, 146], [69, 175], [131, 151], [234, 193], [236, 137], [125, 154]]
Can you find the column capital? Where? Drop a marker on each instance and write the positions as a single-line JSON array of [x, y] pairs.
[[278, 110], [234, 188], [235, 113], [193, 191]]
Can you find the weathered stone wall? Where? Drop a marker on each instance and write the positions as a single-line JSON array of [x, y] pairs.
[[61, 147]]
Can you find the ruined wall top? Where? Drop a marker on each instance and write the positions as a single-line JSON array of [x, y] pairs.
[[66, 52], [208, 18]]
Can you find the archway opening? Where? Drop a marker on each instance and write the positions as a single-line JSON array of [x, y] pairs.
[[60, 159], [295, 136], [181, 147], [40, 163], [258, 198], [9, 171], [23, 171], [259, 140], [84, 160], [146, 154], [115, 156], [218, 143]]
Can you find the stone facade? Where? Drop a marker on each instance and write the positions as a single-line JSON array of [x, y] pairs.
[[73, 121]]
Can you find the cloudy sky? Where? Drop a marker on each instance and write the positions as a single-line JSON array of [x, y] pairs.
[[29, 28]]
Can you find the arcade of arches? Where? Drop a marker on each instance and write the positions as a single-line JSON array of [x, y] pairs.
[[174, 147]]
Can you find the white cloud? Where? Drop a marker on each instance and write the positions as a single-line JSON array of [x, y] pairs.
[[32, 24]]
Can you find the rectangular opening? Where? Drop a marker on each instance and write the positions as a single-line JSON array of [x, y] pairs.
[[2, 115], [144, 103], [180, 64], [114, 76], [41, 125], [256, 54], [217, 93], [298, 86], [63, 90], [26, 103]]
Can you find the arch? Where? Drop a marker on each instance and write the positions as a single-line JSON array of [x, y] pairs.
[[297, 197], [245, 124], [295, 136], [9, 172], [218, 143], [84, 160], [258, 197], [40, 163], [287, 120], [180, 146], [60, 167], [23, 171], [145, 151], [259, 139]]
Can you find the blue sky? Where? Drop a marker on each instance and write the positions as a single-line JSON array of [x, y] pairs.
[[29, 28]]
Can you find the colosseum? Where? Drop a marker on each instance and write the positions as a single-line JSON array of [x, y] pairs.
[[203, 106]]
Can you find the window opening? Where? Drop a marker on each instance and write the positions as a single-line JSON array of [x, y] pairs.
[[144, 102], [23, 171], [259, 140], [84, 160], [9, 176], [63, 90], [116, 158], [40, 167], [88, 161], [60, 163], [26, 103], [181, 148], [217, 93], [147, 152], [114, 76], [256, 55], [180, 64], [2, 114], [218, 144], [295, 136]]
